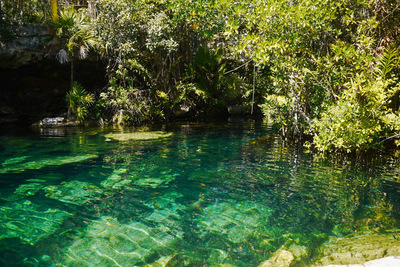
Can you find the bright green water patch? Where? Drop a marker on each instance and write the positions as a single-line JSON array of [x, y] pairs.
[[18, 164], [138, 136], [183, 195]]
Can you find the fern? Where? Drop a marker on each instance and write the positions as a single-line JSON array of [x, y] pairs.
[[389, 59]]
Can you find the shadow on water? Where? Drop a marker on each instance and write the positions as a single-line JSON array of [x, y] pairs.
[[207, 194]]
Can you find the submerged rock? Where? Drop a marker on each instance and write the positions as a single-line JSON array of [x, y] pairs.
[[281, 258], [115, 181], [161, 262], [107, 242], [235, 221], [74, 192], [24, 190], [139, 136], [286, 256], [28, 189], [358, 249], [29, 222], [166, 210], [15, 160], [132, 181], [20, 166], [154, 182], [299, 252]]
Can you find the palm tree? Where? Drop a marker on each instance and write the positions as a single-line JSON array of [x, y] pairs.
[[74, 28]]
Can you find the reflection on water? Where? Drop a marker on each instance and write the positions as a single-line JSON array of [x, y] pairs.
[[207, 194]]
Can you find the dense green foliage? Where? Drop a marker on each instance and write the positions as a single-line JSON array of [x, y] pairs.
[[327, 69], [25, 11]]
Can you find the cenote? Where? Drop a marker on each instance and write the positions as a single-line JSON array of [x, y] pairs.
[[182, 194]]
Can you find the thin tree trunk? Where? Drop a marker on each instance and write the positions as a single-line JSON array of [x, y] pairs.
[[72, 71], [254, 88], [69, 115], [54, 10]]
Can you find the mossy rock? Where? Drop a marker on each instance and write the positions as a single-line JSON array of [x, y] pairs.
[[138, 136]]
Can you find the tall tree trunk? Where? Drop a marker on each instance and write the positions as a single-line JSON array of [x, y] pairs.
[[54, 10]]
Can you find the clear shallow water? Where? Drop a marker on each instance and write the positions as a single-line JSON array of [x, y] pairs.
[[210, 194]]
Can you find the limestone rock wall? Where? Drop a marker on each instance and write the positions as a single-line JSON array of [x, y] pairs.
[[33, 84], [26, 47]]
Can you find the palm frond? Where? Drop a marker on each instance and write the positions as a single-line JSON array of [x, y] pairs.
[[62, 56]]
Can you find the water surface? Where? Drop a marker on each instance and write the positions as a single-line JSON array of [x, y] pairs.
[[207, 195]]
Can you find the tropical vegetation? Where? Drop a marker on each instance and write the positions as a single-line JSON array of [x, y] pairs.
[[328, 70], [78, 102]]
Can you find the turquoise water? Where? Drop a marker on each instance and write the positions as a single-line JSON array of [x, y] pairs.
[[206, 194]]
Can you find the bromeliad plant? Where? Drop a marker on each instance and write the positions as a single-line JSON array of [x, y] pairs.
[[78, 102]]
